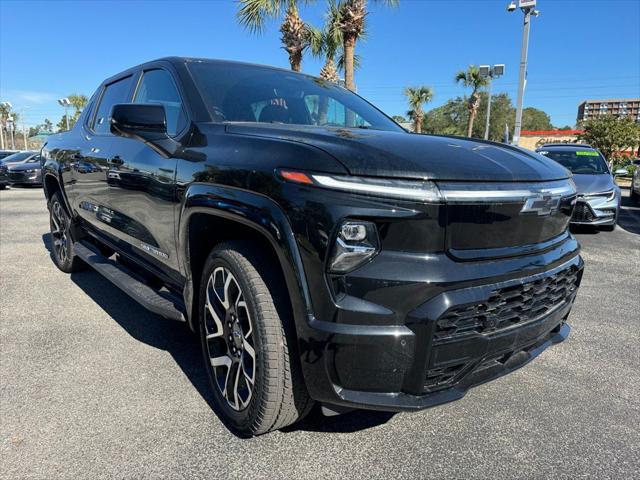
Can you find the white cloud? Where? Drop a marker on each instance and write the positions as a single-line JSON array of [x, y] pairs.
[[28, 97]]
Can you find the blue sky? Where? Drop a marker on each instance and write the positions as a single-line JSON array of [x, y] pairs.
[[578, 50]]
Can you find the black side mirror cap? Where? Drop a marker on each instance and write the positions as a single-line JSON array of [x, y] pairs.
[[141, 121]]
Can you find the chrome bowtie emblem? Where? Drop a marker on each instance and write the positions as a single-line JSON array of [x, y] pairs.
[[541, 204]]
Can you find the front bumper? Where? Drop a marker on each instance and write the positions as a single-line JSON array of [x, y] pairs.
[[21, 178], [371, 357], [596, 211]]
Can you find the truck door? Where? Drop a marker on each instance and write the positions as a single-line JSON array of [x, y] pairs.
[[88, 162], [142, 191]]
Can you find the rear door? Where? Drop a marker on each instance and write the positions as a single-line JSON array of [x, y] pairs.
[[142, 189], [89, 160]]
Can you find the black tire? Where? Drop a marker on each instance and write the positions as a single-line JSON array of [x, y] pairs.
[[263, 323], [62, 250], [634, 196], [3, 186]]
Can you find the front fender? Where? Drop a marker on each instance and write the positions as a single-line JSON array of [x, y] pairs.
[[257, 212]]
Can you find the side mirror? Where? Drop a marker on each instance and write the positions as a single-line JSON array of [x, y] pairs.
[[621, 171], [140, 121]]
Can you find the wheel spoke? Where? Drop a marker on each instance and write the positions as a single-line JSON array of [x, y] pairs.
[[236, 394], [212, 311]]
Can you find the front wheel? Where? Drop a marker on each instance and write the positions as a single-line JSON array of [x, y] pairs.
[[62, 243], [247, 342]]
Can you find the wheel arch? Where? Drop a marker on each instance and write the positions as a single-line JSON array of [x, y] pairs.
[[235, 214]]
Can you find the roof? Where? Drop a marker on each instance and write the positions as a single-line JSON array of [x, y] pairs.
[[551, 132], [612, 100]]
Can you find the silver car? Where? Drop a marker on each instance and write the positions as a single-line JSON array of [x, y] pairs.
[[598, 201]]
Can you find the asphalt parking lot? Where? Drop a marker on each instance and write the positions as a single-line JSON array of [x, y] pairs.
[[94, 386]]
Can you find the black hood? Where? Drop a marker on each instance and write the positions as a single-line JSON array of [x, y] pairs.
[[401, 154]]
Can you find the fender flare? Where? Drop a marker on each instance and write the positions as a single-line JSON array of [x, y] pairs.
[[257, 212]]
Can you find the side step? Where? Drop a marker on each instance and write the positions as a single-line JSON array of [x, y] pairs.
[[158, 302]]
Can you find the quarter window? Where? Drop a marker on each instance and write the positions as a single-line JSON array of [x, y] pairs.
[[157, 86], [114, 93]]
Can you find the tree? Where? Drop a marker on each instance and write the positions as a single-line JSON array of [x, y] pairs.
[[611, 135], [534, 119], [62, 124], [352, 24], [399, 119], [47, 126], [327, 43], [452, 118], [472, 78], [417, 97], [295, 33], [78, 102]]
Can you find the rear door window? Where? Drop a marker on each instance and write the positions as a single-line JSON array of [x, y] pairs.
[[114, 93]]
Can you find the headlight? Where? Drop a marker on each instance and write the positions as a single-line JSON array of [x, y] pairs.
[[608, 195], [419, 190], [356, 242], [33, 170]]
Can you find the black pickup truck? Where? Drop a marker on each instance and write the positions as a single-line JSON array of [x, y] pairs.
[[321, 252]]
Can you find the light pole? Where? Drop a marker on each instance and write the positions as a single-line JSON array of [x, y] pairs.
[[6, 106], [64, 102], [490, 73], [11, 127], [528, 8]]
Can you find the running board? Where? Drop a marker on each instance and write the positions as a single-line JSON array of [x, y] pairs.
[[153, 300]]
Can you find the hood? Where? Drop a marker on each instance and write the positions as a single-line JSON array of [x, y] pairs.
[[20, 167], [593, 183], [401, 154]]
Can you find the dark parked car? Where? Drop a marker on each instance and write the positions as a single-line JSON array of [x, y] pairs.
[[28, 172], [635, 182], [17, 159], [321, 252], [598, 195], [6, 153]]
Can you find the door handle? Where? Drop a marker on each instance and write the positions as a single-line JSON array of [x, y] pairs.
[[116, 160]]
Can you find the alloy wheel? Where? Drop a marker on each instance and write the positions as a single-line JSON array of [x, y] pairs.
[[229, 338], [59, 231]]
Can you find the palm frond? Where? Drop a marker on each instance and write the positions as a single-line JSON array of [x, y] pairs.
[[253, 14]]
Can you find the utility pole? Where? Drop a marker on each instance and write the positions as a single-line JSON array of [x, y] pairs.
[[528, 8], [13, 140], [6, 106], [490, 73]]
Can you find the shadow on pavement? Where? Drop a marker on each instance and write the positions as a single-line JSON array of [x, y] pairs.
[[176, 339], [629, 218]]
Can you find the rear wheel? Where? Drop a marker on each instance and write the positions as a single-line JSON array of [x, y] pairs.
[[634, 195], [247, 342], [62, 243]]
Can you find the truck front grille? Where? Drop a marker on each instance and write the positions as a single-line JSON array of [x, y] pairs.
[[508, 306]]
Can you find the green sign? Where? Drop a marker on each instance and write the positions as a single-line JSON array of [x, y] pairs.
[[588, 153]]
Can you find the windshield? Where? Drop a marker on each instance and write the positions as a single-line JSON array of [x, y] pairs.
[[17, 157], [246, 93], [587, 162]]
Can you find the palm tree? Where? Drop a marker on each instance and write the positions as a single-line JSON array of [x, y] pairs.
[[327, 43], [472, 78], [295, 33], [417, 97], [352, 24], [78, 102]]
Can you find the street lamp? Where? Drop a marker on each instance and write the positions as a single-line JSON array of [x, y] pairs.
[[528, 8], [490, 73], [64, 102]]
